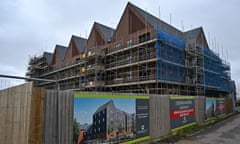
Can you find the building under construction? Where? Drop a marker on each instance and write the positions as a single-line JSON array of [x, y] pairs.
[[142, 55]]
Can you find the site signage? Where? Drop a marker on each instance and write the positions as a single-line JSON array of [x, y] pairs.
[[182, 111], [214, 107], [110, 118]]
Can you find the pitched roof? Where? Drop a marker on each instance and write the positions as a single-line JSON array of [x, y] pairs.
[[109, 103], [191, 35], [80, 43], [48, 56], [62, 51], [106, 31], [156, 23]]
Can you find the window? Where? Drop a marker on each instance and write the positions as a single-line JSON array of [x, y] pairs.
[[147, 37], [103, 119], [129, 77], [129, 59], [98, 121], [118, 46], [129, 43], [144, 37]]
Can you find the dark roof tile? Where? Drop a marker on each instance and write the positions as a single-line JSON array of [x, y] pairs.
[[156, 23], [48, 56], [191, 35], [106, 31], [80, 43], [62, 51]]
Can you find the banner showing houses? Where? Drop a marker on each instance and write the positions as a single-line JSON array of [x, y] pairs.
[[182, 111], [105, 118], [214, 107]]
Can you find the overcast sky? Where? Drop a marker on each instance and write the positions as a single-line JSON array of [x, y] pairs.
[[29, 27]]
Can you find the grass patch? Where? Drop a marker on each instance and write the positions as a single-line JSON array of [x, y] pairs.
[[181, 134], [189, 130]]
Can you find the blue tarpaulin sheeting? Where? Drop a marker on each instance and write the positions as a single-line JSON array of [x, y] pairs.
[[216, 72], [170, 58], [166, 37], [171, 63]]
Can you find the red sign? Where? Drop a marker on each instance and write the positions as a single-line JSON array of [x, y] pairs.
[[175, 114], [221, 107]]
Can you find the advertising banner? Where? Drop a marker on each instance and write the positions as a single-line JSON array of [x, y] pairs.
[[182, 111], [108, 118], [214, 107]]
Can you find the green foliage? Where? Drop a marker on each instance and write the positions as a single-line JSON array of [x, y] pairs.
[[76, 130], [189, 130], [110, 130], [120, 128]]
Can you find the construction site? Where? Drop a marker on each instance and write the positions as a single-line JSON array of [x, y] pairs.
[[143, 54], [141, 82]]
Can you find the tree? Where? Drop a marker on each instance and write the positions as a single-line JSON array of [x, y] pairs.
[[76, 130], [109, 130]]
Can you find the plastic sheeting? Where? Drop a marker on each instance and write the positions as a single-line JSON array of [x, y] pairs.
[[170, 58], [166, 37], [216, 72]]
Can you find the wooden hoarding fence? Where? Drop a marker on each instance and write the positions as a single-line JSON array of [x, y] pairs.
[[21, 109]]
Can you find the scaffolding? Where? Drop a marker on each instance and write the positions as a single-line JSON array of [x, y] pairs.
[[195, 68], [94, 75], [171, 73], [206, 71], [150, 62], [217, 72], [170, 56], [130, 65]]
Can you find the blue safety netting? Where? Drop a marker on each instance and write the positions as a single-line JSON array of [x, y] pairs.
[[171, 63], [166, 37], [217, 73], [170, 58]]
